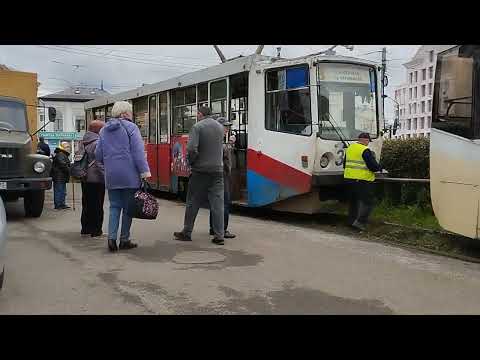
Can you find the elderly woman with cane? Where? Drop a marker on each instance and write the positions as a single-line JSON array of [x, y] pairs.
[[121, 150]]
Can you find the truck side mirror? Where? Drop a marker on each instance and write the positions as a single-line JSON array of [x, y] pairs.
[[52, 114]]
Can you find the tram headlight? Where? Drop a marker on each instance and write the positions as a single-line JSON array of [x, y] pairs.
[[324, 161], [39, 167]]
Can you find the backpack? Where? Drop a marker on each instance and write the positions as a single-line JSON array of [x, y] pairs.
[[80, 162]]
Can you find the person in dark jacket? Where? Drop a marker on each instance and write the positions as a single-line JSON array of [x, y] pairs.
[[227, 170], [204, 155], [61, 175], [93, 187], [43, 148], [360, 167]]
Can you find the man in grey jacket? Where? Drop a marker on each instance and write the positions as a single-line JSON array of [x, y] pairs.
[[205, 157]]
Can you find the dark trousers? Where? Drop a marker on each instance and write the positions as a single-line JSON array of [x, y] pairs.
[[59, 193], [361, 197], [202, 187], [93, 195], [226, 203]]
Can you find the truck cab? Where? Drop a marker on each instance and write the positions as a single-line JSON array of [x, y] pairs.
[[23, 174]]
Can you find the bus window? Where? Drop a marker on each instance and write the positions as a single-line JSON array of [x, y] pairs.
[[184, 107], [140, 113], [152, 120], [453, 94], [218, 97], [288, 101], [163, 108]]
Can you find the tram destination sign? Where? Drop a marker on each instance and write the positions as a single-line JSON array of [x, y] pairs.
[[344, 73]]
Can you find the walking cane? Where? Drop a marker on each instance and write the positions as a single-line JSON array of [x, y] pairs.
[[73, 194]]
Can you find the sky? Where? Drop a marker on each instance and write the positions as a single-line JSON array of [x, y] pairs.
[[124, 67]]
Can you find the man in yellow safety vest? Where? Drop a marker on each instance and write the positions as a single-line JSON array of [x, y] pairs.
[[360, 166]]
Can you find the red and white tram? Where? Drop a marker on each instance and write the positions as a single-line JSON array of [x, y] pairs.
[[292, 120]]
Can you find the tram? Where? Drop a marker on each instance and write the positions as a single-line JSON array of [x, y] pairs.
[[292, 120], [455, 141]]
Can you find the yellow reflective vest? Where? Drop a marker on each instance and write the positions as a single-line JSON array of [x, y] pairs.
[[355, 166]]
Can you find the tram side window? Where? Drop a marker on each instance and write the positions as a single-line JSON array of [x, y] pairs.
[[202, 94], [140, 113], [239, 107], [218, 97], [288, 101], [152, 120], [163, 107], [184, 106], [453, 94]]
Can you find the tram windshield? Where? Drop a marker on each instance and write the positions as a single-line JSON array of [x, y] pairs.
[[347, 101]]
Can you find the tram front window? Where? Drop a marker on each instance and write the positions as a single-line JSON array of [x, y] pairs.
[[453, 93], [347, 101]]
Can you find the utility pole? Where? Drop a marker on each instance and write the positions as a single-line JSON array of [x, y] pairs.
[[384, 70]]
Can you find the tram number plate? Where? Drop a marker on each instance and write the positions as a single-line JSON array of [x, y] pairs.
[[3, 185]]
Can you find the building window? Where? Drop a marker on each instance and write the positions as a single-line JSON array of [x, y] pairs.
[[430, 72], [411, 77], [409, 109], [410, 93], [416, 76], [430, 87], [415, 108], [424, 74], [58, 124], [415, 92], [424, 90], [409, 124], [414, 124], [288, 100], [429, 105], [432, 55], [429, 122], [79, 123], [422, 123], [423, 106]]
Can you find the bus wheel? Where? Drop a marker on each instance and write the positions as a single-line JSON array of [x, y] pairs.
[[182, 189]]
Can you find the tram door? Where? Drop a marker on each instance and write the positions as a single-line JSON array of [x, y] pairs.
[[239, 117], [164, 169]]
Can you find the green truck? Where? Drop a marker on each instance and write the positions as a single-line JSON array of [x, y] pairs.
[[23, 173]]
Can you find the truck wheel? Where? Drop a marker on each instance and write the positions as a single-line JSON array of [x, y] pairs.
[[33, 203]]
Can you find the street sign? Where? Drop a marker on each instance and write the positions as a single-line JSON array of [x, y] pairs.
[[60, 135]]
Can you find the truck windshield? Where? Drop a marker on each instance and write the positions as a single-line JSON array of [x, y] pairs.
[[12, 116], [347, 101]]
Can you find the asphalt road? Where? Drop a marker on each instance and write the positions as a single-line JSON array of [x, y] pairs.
[[270, 268]]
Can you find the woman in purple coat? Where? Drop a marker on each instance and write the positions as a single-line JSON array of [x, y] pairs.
[[121, 150]]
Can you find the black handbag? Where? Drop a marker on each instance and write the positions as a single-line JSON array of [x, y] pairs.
[[143, 205]]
